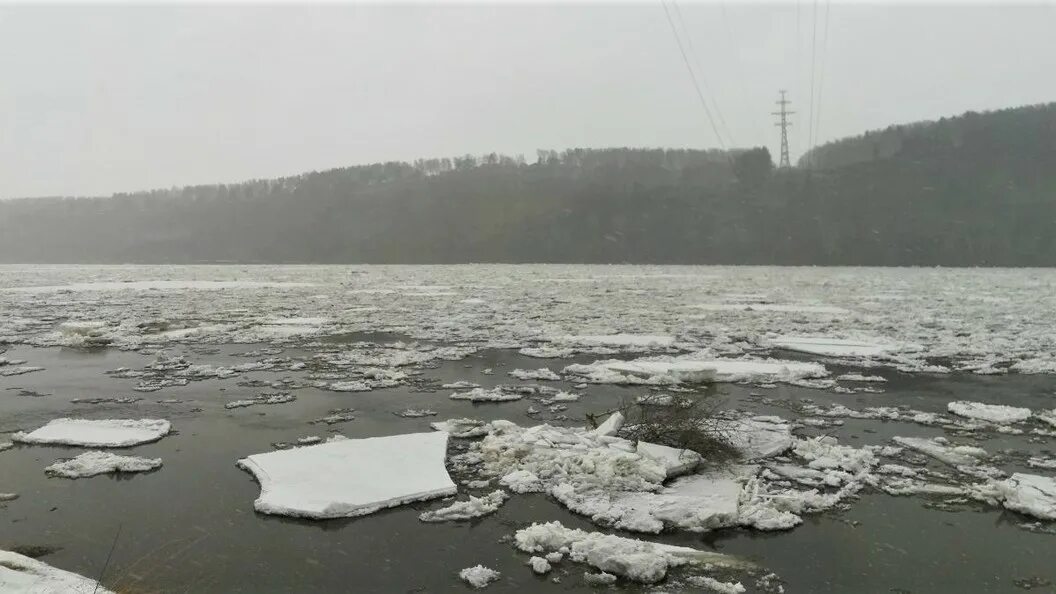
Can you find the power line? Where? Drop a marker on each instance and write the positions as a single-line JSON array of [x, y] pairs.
[[700, 72], [821, 78], [692, 76], [813, 63]]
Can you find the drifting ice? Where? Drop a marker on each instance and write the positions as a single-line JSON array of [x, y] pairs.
[[108, 433], [351, 477], [636, 560], [93, 463], [475, 507], [478, 576], [995, 413], [669, 370]]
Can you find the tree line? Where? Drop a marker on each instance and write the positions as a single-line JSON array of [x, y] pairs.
[[974, 190]]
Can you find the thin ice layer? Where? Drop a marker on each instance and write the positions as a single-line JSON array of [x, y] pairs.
[[22, 575], [106, 433], [351, 477]]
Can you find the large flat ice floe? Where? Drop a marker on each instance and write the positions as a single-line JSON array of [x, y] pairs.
[[636, 560], [106, 433], [675, 370], [22, 575], [351, 477]]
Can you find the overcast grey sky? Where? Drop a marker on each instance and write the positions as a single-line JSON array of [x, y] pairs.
[[95, 100]]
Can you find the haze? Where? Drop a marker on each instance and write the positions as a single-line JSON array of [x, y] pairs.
[[98, 100]]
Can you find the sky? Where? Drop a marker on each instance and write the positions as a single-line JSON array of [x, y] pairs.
[[113, 98]]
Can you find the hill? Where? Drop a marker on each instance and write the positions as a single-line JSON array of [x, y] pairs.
[[975, 190]]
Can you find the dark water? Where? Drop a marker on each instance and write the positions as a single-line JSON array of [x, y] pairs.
[[191, 527]]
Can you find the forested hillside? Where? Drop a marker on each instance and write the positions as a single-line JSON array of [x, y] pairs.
[[978, 189]]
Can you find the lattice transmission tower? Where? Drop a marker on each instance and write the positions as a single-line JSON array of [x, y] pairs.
[[784, 124]]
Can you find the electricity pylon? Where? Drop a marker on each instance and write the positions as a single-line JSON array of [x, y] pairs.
[[784, 124]]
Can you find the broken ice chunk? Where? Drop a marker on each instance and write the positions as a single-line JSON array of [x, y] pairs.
[[994, 413], [463, 428], [92, 463], [675, 461], [941, 450], [475, 507], [107, 433], [611, 426], [351, 477], [539, 565], [479, 576], [535, 374], [482, 395], [637, 560], [758, 437], [1029, 494]]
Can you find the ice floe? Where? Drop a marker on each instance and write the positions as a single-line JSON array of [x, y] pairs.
[[463, 428], [713, 585], [994, 413], [840, 347], [23, 575], [263, 399], [107, 433], [479, 576], [939, 448], [622, 340], [351, 477], [858, 377], [539, 565], [1028, 494], [474, 507], [675, 370], [93, 463], [535, 374], [757, 437], [498, 394], [636, 560]]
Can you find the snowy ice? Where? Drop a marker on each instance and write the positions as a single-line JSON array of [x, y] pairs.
[[479, 576], [22, 575], [110, 433], [474, 507], [351, 477], [95, 462], [995, 413]]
